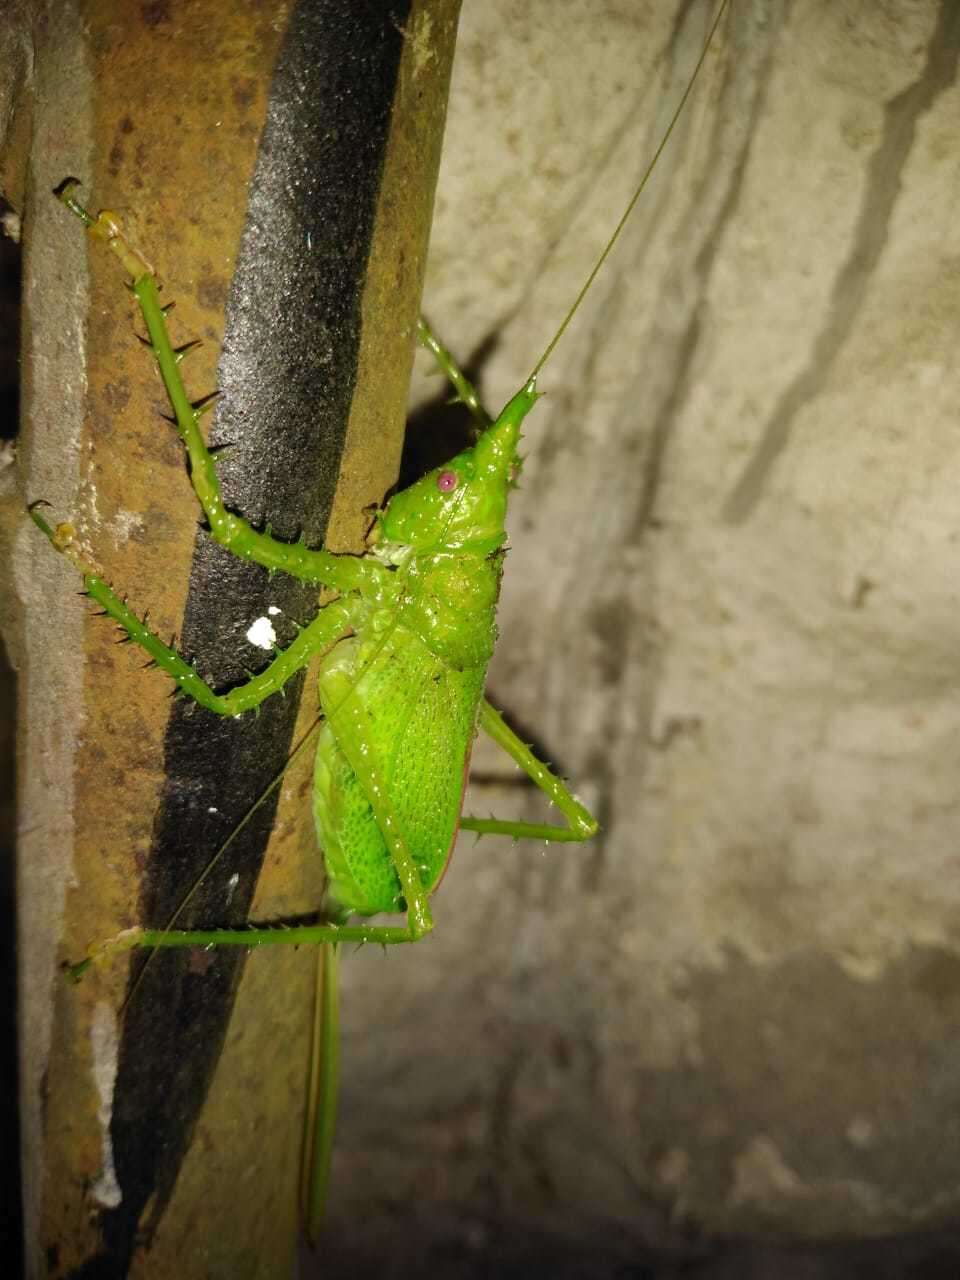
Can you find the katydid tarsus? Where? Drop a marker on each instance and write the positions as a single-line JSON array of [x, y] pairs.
[[403, 651]]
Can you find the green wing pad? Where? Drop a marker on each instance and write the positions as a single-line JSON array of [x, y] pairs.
[[362, 878], [405, 715]]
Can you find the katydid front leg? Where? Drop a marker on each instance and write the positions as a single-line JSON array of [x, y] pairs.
[[333, 621], [341, 572]]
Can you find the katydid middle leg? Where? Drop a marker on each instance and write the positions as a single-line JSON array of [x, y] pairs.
[[581, 824], [333, 621], [466, 393]]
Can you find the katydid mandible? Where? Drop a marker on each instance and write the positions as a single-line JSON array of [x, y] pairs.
[[403, 648]]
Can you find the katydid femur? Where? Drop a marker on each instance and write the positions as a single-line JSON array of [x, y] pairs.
[[404, 648]]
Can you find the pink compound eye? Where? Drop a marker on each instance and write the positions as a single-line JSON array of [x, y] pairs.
[[447, 481]]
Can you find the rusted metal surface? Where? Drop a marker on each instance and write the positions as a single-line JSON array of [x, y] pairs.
[[254, 155]]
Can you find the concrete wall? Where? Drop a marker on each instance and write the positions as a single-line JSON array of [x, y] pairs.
[[730, 616]]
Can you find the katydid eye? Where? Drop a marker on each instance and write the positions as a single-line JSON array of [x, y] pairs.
[[447, 481]]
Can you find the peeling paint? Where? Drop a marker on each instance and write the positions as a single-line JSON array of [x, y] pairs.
[[10, 225], [422, 45], [125, 524], [104, 1045]]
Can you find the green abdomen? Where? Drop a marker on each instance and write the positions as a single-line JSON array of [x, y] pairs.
[[400, 717]]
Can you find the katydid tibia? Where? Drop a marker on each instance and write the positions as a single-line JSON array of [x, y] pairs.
[[403, 650]]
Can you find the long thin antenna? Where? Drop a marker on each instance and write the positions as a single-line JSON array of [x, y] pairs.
[[633, 199]]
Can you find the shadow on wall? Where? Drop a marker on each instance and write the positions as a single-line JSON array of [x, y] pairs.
[[457, 1250]]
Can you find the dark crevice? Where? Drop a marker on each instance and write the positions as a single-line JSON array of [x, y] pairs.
[[10, 268]]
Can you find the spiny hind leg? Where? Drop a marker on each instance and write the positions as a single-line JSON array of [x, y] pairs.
[[254, 936], [419, 919], [581, 824], [385, 935]]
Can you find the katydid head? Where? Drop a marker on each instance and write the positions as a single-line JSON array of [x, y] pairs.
[[464, 502]]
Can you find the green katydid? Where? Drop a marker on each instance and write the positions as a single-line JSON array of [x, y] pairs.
[[404, 649], [406, 646]]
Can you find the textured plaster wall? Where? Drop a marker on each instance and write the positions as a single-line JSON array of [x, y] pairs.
[[730, 615]]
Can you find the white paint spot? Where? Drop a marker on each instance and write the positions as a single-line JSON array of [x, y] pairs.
[[262, 634], [273, 610], [104, 1044], [231, 885], [126, 524]]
